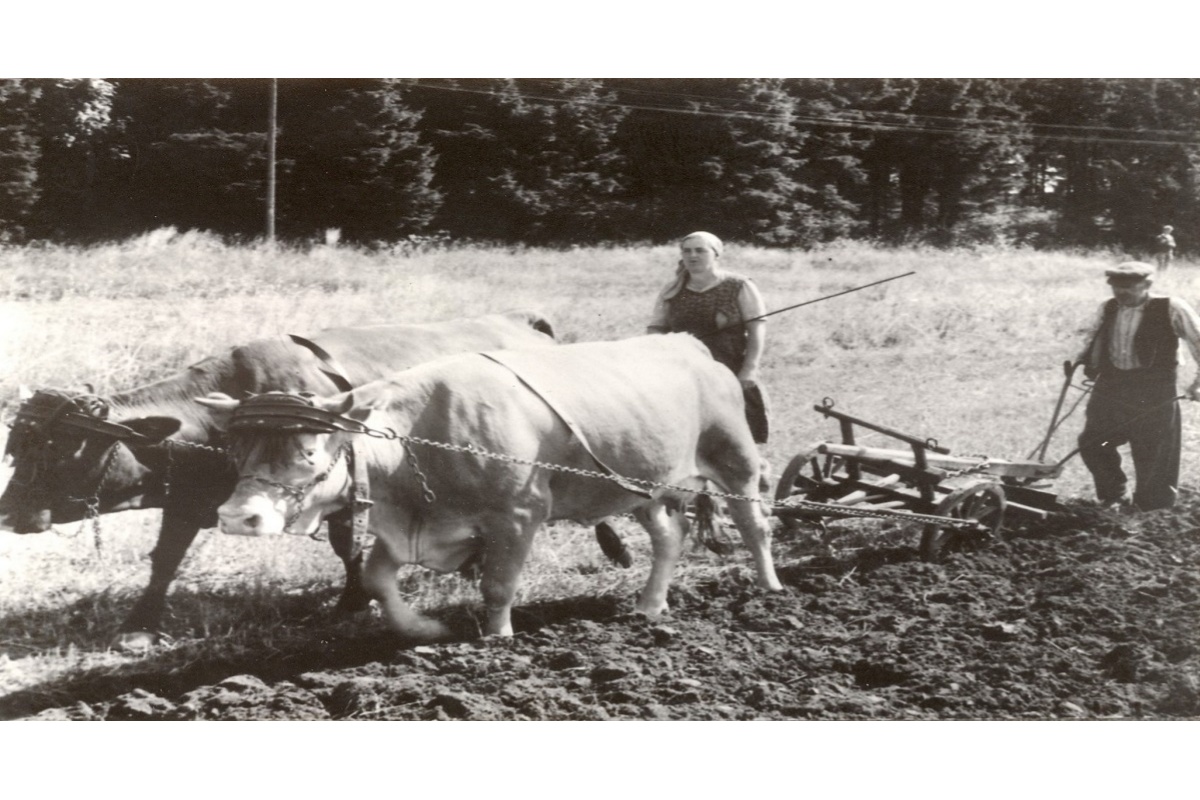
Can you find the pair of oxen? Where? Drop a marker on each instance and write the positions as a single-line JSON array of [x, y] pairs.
[[451, 443]]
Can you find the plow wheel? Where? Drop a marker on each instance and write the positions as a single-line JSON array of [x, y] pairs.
[[814, 476], [982, 502]]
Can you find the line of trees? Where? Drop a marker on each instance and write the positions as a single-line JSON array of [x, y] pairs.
[[792, 162]]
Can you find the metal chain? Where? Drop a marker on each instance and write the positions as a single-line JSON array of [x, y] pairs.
[[196, 446], [971, 470], [296, 493], [93, 511], [584, 473], [426, 493], [170, 445], [170, 470], [828, 509], [835, 510], [92, 504]]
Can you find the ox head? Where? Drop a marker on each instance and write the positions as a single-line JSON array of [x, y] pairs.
[[290, 451], [66, 455]]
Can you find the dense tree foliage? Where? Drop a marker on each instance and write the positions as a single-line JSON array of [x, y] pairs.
[[792, 162], [352, 159], [19, 156], [530, 160]]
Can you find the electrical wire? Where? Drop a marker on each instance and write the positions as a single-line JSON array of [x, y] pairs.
[[864, 119]]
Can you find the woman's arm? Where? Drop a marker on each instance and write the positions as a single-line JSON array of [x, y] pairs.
[[658, 317], [751, 305]]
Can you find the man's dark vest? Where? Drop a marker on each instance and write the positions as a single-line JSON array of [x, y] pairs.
[[1155, 342]]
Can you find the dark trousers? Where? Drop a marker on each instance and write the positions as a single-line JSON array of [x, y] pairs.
[[758, 412], [1138, 408]]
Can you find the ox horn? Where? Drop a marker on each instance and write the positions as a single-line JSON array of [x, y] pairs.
[[222, 406], [347, 403]]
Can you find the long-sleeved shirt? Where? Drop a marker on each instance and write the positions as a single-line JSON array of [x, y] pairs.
[[1184, 321]]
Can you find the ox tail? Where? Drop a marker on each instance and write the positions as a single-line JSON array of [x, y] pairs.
[[612, 546]]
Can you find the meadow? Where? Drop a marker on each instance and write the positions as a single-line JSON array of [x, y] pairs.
[[968, 350]]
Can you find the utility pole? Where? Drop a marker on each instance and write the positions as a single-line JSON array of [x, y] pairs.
[[271, 160]]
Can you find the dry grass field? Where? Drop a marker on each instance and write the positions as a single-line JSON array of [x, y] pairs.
[[967, 350]]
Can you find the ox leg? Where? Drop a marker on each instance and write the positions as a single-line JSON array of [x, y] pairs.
[[138, 631], [503, 560], [379, 580], [666, 528], [756, 533], [341, 539]]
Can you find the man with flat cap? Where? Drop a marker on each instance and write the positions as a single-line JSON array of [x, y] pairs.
[[1132, 354]]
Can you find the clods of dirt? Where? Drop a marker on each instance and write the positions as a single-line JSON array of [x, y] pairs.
[[1090, 615]]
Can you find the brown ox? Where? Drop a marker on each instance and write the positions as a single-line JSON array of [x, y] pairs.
[[65, 454], [654, 409]]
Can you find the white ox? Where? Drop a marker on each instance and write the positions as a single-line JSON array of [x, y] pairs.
[[652, 408]]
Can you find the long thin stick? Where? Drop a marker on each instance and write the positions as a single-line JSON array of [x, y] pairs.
[[809, 302], [1069, 370]]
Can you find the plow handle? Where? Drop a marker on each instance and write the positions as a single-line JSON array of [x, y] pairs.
[[1068, 373]]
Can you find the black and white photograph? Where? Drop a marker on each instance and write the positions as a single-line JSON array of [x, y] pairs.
[[672, 396]]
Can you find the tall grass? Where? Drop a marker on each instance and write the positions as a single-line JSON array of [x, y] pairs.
[[968, 350]]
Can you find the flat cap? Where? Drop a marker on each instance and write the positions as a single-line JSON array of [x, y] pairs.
[[1139, 270]]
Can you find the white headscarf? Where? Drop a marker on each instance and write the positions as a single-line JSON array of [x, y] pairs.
[[709, 239], [681, 276]]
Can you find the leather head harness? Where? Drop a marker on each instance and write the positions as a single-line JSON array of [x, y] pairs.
[[51, 408], [286, 411], [295, 412]]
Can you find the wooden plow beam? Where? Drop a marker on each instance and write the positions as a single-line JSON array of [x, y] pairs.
[[1001, 468]]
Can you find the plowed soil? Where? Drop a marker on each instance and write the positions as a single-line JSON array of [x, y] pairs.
[[1091, 615]]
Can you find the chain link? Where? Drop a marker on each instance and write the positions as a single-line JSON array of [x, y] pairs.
[[170, 445], [296, 493], [827, 509], [93, 511], [426, 493], [975, 469], [583, 473], [196, 446], [92, 504], [835, 510]]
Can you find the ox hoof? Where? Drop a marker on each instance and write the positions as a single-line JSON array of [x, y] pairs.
[[136, 641], [433, 631], [351, 603], [652, 613], [424, 631]]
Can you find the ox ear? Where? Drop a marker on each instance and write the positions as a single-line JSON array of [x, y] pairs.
[[222, 407], [154, 428]]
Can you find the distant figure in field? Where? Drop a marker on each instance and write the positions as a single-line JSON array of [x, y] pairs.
[[1132, 353], [1164, 248], [714, 305]]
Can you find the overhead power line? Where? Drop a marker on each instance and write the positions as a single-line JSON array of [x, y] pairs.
[[872, 121]]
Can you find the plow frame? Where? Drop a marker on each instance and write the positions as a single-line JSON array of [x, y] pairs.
[[957, 499]]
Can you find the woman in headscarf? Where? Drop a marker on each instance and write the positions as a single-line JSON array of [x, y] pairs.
[[721, 309]]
